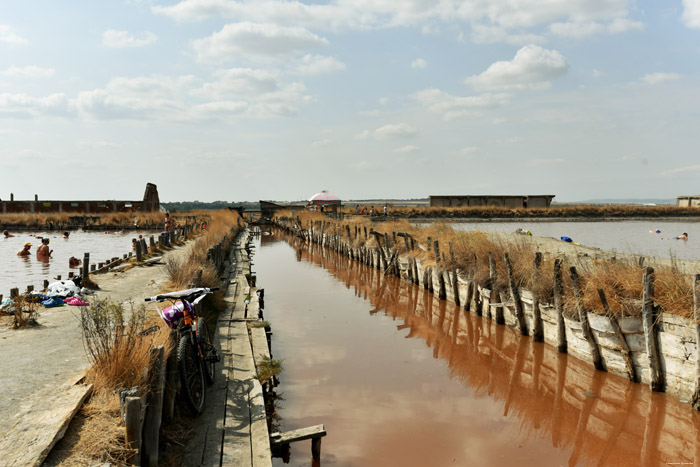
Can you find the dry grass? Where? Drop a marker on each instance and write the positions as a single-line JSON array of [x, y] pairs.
[[23, 312], [620, 281], [115, 346], [182, 274], [591, 211], [118, 219]]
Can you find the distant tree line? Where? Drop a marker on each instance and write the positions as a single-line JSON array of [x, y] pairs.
[[183, 206]]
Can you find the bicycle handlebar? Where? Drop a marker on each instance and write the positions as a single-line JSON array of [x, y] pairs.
[[187, 294]]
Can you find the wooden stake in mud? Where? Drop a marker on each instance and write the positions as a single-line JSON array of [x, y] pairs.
[[696, 315], [86, 265], [537, 327], [558, 293], [583, 319], [436, 247], [515, 293], [649, 321], [500, 319], [624, 348]]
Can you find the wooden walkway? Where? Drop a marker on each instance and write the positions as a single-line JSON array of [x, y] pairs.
[[233, 429]]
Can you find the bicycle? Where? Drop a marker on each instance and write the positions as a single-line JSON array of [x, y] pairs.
[[196, 354]]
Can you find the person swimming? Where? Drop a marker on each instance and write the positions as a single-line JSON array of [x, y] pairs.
[[657, 231], [25, 250], [684, 236]]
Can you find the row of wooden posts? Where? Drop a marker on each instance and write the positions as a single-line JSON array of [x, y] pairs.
[[385, 257]]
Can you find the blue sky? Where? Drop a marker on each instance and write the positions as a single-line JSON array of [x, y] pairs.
[[234, 100]]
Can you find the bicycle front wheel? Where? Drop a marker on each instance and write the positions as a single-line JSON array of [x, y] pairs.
[[208, 350], [189, 365]]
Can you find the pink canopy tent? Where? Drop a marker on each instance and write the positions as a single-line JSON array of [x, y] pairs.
[[324, 199]]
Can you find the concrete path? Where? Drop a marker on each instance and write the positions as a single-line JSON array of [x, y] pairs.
[[36, 361]]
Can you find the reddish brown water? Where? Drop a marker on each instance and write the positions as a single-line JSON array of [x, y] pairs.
[[400, 378]]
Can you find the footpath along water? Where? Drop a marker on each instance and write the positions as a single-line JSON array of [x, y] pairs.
[[619, 236], [401, 378], [20, 272]]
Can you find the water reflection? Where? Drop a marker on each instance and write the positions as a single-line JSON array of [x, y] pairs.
[[514, 393]]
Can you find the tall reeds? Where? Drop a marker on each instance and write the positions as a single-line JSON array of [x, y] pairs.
[[620, 281]]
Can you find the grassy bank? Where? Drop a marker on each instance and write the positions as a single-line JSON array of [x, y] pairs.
[[562, 212], [620, 280], [58, 219]]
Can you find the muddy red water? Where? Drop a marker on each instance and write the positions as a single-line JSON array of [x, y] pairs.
[[400, 378]]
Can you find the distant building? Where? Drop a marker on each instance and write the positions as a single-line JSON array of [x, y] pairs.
[[504, 201], [150, 203], [688, 201]]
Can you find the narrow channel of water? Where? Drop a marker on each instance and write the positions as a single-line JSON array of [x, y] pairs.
[[402, 379]]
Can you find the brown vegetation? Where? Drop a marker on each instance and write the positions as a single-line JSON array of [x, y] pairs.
[[23, 312], [583, 210], [621, 281]]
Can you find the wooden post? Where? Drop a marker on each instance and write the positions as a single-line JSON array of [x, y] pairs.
[[583, 319], [139, 253], [500, 319], [696, 315], [624, 348], [30, 289], [515, 293], [316, 448], [154, 409], [558, 293], [14, 293], [134, 412], [46, 284], [171, 380], [537, 328], [436, 249], [86, 265], [652, 344]]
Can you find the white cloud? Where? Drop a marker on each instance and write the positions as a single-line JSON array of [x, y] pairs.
[[581, 29], [453, 107], [532, 68], [24, 106], [657, 78], [322, 143], [255, 40], [311, 65], [122, 39], [9, 37], [30, 72], [551, 161], [365, 14], [388, 131], [419, 63], [576, 29], [619, 25], [406, 149], [597, 73], [469, 151], [489, 34], [239, 83], [680, 170], [383, 101], [691, 13]]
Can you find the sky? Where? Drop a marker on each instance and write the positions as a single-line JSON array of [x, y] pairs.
[[268, 99]]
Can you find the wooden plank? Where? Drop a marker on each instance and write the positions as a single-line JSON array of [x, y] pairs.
[[258, 340], [279, 439], [259, 436], [41, 426]]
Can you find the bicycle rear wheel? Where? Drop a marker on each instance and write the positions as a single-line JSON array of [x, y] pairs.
[[189, 365], [208, 350]]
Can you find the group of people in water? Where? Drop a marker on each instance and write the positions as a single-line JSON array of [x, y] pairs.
[[683, 236], [43, 251]]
